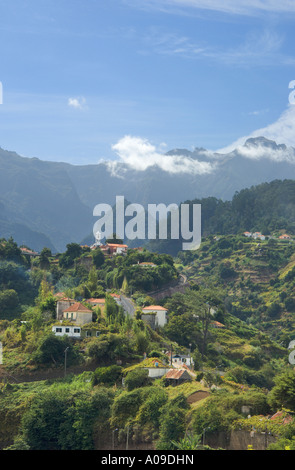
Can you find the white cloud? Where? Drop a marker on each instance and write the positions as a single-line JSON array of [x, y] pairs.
[[77, 103], [256, 152], [139, 154], [258, 112], [259, 48], [281, 131], [237, 7]]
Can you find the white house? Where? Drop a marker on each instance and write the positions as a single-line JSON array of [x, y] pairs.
[[259, 235], [78, 313], [160, 312], [72, 331], [181, 359]]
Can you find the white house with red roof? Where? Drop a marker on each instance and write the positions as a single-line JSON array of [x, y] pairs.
[[78, 314], [160, 313]]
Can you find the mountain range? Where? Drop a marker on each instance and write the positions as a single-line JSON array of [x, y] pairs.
[[51, 204]]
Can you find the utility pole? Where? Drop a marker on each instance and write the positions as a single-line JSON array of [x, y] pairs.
[[114, 437], [127, 438], [66, 350]]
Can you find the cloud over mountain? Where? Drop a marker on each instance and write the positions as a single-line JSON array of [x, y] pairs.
[[281, 131], [139, 154]]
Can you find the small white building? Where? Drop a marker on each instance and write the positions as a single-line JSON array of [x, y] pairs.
[[160, 312], [72, 331], [181, 359]]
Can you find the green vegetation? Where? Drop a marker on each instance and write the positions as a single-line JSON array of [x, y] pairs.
[[235, 320]]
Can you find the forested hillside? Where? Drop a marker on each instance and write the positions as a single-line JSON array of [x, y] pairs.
[[235, 321], [267, 208]]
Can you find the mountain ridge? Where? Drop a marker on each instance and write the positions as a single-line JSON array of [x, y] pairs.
[[56, 199]]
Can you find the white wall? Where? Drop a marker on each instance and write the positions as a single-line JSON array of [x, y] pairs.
[[74, 331]]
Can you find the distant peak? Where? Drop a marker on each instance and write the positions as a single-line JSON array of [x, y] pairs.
[[263, 141]]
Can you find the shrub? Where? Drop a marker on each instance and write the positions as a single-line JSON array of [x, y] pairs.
[[137, 378], [107, 375]]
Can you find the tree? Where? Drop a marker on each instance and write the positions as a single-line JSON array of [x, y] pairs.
[[86, 419], [42, 421], [282, 394], [125, 287], [44, 290], [73, 251], [203, 303], [107, 375], [9, 301], [142, 342], [273, 310], [52, 348], [10, 251], [65, 420], [98, 257], [136, 378], [111, 308], [44, 258], [92, 279], [150, 410], [172, 423], [183, 329]]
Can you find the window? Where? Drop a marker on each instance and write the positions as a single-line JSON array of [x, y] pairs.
[[58, 330], [76, 330], [67, 330]]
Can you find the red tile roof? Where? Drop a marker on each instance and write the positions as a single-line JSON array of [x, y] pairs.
[[117, 244], [286, 418], [77, 307], [153, 308], [217, 324]]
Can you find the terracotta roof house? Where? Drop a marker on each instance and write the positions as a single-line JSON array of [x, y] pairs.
[[159, 312], [78, 313], [26, 251], [217, 324], [116, 248], [284, 237]]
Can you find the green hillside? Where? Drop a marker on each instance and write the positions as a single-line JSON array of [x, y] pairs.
[[234, 320]]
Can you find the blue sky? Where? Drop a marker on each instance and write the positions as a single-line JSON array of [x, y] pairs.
[[88, 80]]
